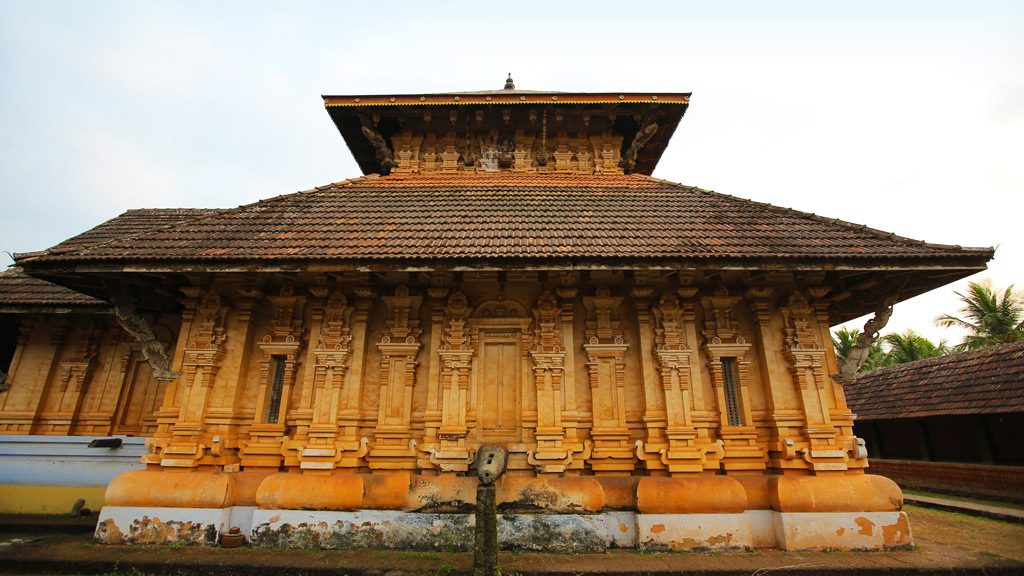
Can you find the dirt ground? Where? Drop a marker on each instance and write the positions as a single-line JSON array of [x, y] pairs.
[[978, 534]]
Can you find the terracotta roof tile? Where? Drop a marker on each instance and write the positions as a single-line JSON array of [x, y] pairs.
[[503, 216], [129, 223], [18, 289], [986, 381]]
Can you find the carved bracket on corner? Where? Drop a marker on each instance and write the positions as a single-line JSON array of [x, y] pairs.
[[137, 327]]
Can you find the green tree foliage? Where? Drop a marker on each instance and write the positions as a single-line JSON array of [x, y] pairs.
[[890, 349], [988, 317], [910, 346]]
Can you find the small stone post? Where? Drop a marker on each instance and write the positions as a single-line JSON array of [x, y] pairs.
[[490, 465]]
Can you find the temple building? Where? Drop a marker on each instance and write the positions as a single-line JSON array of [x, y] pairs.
[[321, 368]]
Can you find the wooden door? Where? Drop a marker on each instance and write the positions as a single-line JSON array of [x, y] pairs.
[[500, 389]]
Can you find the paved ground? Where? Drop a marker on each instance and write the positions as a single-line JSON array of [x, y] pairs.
[[44, 546]]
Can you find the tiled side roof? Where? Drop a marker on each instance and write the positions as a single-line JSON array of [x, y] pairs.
[[986, 381], [549, 217], [19, 289], [129, 223]]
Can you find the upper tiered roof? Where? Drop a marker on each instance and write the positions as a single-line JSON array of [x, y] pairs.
[[468, 124]]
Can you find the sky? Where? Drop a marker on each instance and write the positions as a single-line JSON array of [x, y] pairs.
[[907, 116]]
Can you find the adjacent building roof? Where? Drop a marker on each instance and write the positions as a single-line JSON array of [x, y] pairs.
[[555, 218], [986, 381]]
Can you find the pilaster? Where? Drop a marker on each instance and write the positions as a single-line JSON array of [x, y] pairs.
[[606, 356], [806, 362], [203, 354], [394, 447], [455, 360]]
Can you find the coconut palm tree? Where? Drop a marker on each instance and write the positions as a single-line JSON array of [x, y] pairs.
[[910, 346], [988, 317]]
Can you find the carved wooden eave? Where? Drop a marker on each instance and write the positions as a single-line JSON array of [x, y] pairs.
[[857, 285]]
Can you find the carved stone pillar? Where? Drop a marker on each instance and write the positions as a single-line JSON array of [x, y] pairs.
[[806, 362], [726, 351], [202, 359], [394, 447], [606, 354]]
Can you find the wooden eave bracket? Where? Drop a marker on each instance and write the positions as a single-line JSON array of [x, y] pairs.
[[859, 351], [138, 328]]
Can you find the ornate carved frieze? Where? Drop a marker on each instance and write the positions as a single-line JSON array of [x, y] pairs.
[[486, 151], [606, 358], [394, 447]]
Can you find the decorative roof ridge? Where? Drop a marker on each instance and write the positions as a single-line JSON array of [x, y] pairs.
[[327, 187], [892, 236], [968, 355]]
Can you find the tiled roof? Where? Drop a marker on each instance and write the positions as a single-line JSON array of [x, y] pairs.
[[130, 223], [17, 289], [986, 381], [497, 217]]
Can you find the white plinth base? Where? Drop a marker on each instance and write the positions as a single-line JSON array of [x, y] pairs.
[[130, 525], [527, 532]]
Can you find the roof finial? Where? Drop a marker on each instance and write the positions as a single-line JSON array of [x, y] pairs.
[[508, 83]]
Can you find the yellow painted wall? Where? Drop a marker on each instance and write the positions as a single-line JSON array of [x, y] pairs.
[[48, 499]]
